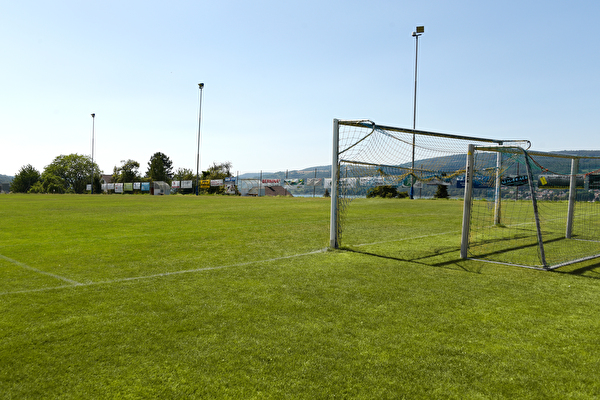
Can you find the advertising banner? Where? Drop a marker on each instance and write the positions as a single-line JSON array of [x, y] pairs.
[[293, 182], [230, 179], [186, 184], [371, 181], [594, 181], [559, 182], [110, 186], [216, 182], [230, 188], [137, 185], [271, 182], [479, 182], [314, 181], [327, 183], [348, 182], [128, 187], [88, 187], [145, 186], [515, 180], [175, 185], [205, 183], [118, 188]]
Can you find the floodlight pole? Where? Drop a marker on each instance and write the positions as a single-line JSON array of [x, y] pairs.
[[200, 87], [93, 129], [419, 32]]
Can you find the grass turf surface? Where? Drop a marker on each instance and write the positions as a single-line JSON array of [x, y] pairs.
[[213, 297]]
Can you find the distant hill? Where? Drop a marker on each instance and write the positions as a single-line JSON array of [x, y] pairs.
[[6, 178], [581, 153], [452, 162], [323, 171]]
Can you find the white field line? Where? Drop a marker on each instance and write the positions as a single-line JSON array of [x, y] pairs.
[[25, 266], [163, 274]]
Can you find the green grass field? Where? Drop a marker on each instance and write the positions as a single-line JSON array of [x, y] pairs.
[[227, 297]]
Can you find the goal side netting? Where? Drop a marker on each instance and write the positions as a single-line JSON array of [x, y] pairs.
[[531, 209], [367, 155]]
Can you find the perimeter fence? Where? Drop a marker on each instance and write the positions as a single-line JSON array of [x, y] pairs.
[[313, 182]]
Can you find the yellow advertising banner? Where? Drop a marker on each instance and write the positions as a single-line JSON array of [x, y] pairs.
[[205, 184]]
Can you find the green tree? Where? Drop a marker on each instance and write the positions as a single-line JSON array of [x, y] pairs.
[[160, 168], [217, 171], [36, 188], [73, 171], [185, 174], [127, 172], [50, 183], [441, 192], [25, 179]]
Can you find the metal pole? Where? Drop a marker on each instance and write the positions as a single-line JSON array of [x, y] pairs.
[[314, 187], [572, 197], [535, 210], [464, 242], [93, 129], [420, 30], [497, 190], [200, 87], [335, 176]]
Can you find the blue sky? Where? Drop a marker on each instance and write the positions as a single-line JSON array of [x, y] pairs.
[[276, 73]]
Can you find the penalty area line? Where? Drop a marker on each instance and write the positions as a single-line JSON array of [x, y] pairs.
[[25, 266], [163, 274], [188, 271]]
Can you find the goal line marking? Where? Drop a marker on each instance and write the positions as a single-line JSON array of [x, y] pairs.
[[137, 278]]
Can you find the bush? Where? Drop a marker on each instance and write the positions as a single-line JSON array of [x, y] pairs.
[[386, 191]]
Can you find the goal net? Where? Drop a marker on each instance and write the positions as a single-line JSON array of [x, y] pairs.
[[367, 155], [531, 209]]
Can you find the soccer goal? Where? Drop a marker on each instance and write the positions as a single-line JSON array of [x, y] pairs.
[[531, 209], [366, 155]]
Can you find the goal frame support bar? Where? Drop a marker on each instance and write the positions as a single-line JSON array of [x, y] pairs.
[[572, 197]]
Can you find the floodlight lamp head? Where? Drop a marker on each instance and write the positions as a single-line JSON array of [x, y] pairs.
[[93, 115], [419, 32], [201, 85]]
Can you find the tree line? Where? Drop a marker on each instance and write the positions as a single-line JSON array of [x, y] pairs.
[[72, 173]]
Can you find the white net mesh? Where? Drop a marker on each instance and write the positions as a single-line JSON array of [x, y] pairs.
[[532, 227], [416, 162]]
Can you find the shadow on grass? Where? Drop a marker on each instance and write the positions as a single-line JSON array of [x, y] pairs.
[[588, 271], [456, 262]]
